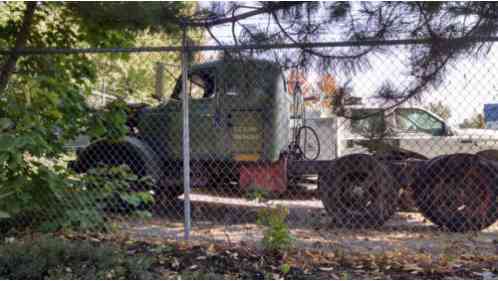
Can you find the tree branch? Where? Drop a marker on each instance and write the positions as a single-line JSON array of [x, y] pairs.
[[317, 53], [22, 36], [269, 8]]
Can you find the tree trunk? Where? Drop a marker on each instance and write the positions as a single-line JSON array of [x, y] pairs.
[[9, 64]]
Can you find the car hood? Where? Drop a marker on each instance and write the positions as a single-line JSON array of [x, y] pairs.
[[476, 133]]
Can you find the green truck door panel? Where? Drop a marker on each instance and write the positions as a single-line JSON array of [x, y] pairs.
[[208, 130], [257, 104]]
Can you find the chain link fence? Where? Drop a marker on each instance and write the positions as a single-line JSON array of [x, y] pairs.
[[272, 147]]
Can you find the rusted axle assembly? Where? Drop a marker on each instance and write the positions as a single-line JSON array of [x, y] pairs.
[[457, 191]]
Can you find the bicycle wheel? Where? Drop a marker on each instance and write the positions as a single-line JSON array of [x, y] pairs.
[[308, 143]]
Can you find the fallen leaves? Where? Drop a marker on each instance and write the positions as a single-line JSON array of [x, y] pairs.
[[413, 268], [172, 260]]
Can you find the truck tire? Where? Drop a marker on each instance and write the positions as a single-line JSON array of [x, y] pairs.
[[358, 192], [396, 155], [490, 154], [458, 192], [131, 152]]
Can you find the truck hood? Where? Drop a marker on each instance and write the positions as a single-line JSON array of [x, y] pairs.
[[480, 133]]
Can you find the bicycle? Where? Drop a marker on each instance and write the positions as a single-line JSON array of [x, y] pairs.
[[305, 144]]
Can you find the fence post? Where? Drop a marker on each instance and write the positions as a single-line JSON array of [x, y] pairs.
[[159, 87], [186, 136]]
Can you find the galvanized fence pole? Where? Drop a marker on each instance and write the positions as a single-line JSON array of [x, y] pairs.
[[186, 136]]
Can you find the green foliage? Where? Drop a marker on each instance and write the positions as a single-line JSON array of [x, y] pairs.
[[257, 194], [54, 200], [132, 76], [44, 107], [276, 234], [285, 268], [41, 110], [32, 169], [106, 182], [3, 214], [50, 258], [134, 16], [82, 201], [110, 122]]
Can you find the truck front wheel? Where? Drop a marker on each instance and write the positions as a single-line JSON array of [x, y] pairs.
[[132, 153], [357, 191]]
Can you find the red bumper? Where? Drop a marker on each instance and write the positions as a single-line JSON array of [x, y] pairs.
[[264, 175]]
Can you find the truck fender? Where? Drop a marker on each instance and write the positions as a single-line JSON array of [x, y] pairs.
[[130, 151], [398, 155]]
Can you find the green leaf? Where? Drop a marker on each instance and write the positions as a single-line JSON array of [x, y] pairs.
[[131, 199], [4, 157], [6, 142], [6, 195], [4, 215], [5, 123], [144, 214]]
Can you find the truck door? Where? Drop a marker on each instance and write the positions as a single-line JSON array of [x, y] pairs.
[[245, 123], [422, 132], [206, 130]]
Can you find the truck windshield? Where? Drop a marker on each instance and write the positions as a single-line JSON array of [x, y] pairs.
[[412, 119], [367, 121], [199, 86]]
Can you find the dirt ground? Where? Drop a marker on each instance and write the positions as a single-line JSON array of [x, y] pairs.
[[232, 220]]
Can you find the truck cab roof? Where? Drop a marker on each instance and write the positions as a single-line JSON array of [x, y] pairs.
[[247, 73]]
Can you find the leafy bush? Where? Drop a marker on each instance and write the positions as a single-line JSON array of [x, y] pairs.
[[114, 188], [276, 235], [57, 201], [83, 202], [3, 214], [51, 258], [44, 106], [32, 158]]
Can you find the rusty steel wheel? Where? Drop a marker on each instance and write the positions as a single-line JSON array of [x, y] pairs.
[[358, 191], [490, 154], [458, 192]]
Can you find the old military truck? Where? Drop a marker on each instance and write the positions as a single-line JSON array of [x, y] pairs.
[[239, 114]]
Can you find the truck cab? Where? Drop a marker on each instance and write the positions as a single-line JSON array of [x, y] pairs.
[[408, 128], [235, 109]]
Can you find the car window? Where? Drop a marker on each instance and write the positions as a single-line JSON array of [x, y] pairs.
[[367, 122], [411, 119]]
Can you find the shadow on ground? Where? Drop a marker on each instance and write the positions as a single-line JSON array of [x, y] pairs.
[[233, 220]]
